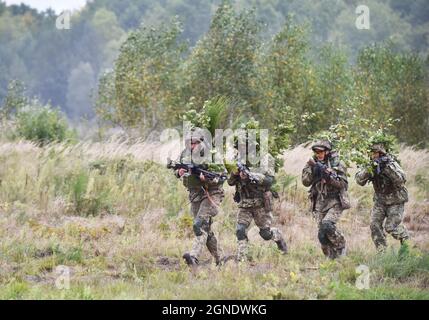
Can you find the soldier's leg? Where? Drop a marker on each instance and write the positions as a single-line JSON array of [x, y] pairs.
[[245, 216], [323, 239], [394, 225], [189, 257], [377, 234], [212, 245], [329, 231], [202, 227], [264, 220]]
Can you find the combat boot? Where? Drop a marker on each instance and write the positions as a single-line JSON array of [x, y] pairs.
[[190, 260], [281, 245]]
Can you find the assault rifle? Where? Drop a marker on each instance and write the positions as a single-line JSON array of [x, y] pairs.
[[381, 163], [195, 170], [321, 171], [243, 168]]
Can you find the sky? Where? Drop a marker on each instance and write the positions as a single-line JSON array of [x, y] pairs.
[[57, 5]]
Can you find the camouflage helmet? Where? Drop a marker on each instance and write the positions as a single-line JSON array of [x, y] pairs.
[[322, 145], [378, 147]]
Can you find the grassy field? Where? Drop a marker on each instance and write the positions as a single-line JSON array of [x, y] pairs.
[[119, 221]]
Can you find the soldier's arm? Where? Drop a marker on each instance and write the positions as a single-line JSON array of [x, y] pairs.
[[340, 182], [176, 173], [263, 179], [233, 179], [220, 171], [179, 159], [362, 176], [261, 176], [307, 175], [395, 173]]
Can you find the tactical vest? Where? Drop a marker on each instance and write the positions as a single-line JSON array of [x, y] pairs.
[[193, 183], [331, 162], [251, 191], [383, 185]]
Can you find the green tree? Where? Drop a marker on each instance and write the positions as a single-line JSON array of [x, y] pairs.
[[394, 85], [145, 78], [286, 80], [223, 61]]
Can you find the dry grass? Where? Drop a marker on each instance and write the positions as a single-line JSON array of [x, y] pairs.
[[128, 242]]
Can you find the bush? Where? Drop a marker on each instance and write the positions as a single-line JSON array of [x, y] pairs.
[[41, 124]]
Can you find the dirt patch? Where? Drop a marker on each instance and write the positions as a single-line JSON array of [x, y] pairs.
[[168, 263]]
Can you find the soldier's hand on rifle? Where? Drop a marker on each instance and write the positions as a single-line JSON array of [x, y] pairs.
[[202, 177], [311, 162], [182, 171]]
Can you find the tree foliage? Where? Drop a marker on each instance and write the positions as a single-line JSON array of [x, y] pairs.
[[293, 65]]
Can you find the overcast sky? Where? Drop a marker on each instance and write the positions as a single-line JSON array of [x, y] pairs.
[[57, 5]]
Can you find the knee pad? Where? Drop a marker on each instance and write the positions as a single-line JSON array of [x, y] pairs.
[[326, 227], [266, 234], [200, 225], [241, 232], [323, 239]]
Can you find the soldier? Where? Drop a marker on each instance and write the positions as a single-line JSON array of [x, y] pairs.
[[327, 176], [205, 196], [388, 180], [255, 203]]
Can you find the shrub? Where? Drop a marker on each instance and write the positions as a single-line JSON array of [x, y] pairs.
[[41, 124]]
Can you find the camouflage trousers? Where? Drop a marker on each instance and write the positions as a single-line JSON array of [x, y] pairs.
[[203, 212], [331, 239], [392, 217], [263, 221]]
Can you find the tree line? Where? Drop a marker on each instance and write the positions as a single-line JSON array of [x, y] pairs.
[[279, 81]]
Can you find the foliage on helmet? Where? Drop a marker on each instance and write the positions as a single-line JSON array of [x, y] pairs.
[[212, 116], [388, 141]]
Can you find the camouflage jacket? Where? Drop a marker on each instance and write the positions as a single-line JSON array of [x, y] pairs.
[[198, 189], [324, 194], [389, 183], [252, 194]]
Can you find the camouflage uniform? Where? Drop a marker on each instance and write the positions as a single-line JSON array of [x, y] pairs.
[[205, 198], [328, 200], [253, 207], [389, 198]]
